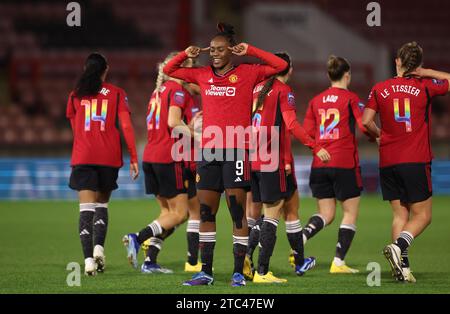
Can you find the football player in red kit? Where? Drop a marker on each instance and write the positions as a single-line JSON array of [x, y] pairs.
[[403, 104], [226, 92], [274, 114], [330, 119], [151, 247], [193, 225], [164, 172], [94, 108]]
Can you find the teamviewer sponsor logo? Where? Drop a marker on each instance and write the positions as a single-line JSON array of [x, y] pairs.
[[220, 91]]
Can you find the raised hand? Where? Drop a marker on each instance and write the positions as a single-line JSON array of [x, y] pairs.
[[239, 49], [194, 51], [421, 72], [323, 155]]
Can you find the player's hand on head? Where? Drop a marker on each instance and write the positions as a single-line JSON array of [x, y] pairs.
[[421, 72], [194, 51], [134, 170], [323, 155], [239, 49]]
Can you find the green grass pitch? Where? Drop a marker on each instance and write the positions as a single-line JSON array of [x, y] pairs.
[[40, 238]]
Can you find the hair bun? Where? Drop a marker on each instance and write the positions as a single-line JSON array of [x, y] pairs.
[[332, 61], [225, 28], [337, 67]]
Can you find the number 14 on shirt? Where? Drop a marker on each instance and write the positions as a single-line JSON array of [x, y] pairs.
[[91, 113]]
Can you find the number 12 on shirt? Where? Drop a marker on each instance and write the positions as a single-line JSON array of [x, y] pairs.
[[330, 132], [90, 113], [407, 115]]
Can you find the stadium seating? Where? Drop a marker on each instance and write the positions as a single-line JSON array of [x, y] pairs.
[[44, 59]]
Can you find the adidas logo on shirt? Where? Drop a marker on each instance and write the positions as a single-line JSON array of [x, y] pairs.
[[211, 80], [238, 179]]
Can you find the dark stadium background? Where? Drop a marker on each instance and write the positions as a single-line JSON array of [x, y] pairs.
[[41, 57]]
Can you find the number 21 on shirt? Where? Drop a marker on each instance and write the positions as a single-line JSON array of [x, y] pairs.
[[155, 110], [90, 113], [330, 132]]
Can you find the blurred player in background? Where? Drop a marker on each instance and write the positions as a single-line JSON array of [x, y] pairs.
[[254, 221], [193, 110], [164, 176], [226, 92], [403, 104], [152, 246], [276, 188], [330, 119], [94, 108]]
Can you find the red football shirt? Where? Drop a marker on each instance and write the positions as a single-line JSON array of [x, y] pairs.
[[227, 98], [278, 103], [330, 119], [159, 140], [193, 107], [404, 107], [96, 135]]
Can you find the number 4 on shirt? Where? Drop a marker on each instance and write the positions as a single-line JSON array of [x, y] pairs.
[[407, 115], [91, 113]]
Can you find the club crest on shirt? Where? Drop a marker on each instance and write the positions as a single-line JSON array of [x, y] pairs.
[[179, 97], [197, 178], [291, 99], [233, 78]]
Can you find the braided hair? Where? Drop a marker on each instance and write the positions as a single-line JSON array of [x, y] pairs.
[[162, 78], [410, 55], [268, 85]]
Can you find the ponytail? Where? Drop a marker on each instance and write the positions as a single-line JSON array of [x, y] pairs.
[[90, 81], [263, 93], [227, 31], [268, 85], [162, 78]]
